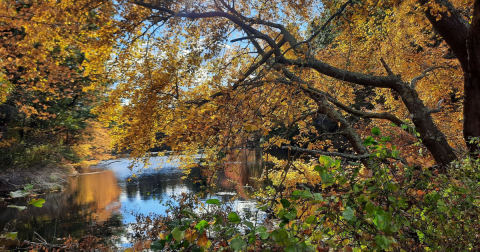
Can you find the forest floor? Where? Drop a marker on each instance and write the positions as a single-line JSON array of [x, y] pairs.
[[45, 178]]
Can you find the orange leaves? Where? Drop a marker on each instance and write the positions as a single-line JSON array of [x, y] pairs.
[[41, 42], [203, 240]]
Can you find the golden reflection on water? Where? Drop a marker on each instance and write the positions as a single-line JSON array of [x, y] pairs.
[[242, 165], [98, 191]]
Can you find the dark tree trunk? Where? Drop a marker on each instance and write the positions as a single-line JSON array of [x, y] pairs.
[[471, 112], [464, 40], [431, 136]]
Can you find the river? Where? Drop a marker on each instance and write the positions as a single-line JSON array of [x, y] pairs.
[[104, 199]]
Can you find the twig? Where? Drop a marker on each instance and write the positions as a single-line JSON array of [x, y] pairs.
[[41, 238]]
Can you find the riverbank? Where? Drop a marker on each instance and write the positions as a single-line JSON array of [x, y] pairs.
[[47, 178]]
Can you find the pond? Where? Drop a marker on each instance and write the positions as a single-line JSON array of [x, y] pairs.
[[108, 195]]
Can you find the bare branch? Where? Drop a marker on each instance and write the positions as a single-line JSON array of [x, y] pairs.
[[211, 14], [424, 73], [243, 38]]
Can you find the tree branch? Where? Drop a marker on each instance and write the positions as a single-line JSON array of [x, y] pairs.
[[424, 73], [387, 68], [451, 20], [364, 114], [391, 81], [327, 153], [438, 109]]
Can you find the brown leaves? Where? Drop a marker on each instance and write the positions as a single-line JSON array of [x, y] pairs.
[[203, 240], [365, 173]]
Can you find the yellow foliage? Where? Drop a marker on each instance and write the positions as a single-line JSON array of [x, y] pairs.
[[95, 145]]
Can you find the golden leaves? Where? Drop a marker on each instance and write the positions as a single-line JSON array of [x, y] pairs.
[[203, 240]]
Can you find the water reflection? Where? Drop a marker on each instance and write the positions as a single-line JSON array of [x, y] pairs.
[[105, 195], [89, 198], [98, 191], [241, 167]]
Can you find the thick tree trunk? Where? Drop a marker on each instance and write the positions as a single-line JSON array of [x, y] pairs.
[[431, 136], [464, 40], [471, 112]]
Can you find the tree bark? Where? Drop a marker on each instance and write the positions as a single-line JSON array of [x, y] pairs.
[[431, 136], [464, 40], [471, 112]]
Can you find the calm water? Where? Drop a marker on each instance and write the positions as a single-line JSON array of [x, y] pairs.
[[104, 195]]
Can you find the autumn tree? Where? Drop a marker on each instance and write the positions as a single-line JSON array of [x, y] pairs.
[[210, 73], [52, 72]]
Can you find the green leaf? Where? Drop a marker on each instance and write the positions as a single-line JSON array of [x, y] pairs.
[[238, 243], [392, 199], [233, 218], [201, 225], [21, 208], [348, 213], [368, 141], [188, 212], [404, 126], [392, 187], [442, 206], [18, 194], [178, 234], [382, 219], [370, 208], [28, 187], [248, 224], [326, 177], [264, 235], [262, 231], [382, 241], [158, 245], [213, 202], [12, 235], [285, 203], [311, 219], [318, 196], [299, 247], [37, 202], [292, 214], [338, 163], [326, 161], [319, 168], [386, 139], [302, 194], [280, 236], [421, 236], [376, 131]]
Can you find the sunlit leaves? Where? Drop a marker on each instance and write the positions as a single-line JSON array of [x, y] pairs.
[[37, 202], [233, 218]]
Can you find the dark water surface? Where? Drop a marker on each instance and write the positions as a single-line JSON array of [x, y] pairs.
[[104, 195]]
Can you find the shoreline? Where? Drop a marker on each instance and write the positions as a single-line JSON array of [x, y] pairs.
[[47, 178]]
